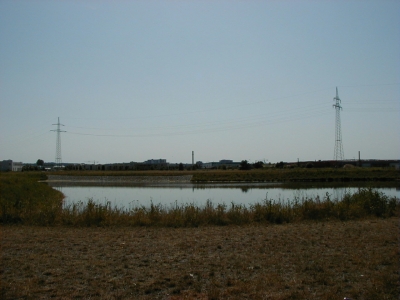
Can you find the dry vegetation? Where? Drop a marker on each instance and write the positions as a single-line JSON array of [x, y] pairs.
[[308, 260]]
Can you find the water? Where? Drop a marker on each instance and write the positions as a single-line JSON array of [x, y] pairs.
[[246, 194]]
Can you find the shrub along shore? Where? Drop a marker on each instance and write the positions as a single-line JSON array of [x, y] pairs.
[[25, 200]]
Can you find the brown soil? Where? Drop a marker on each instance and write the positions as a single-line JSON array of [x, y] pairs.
[[326, 260]]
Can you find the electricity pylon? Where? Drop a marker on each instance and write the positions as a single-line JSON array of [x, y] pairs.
[[58, 143], [338, 154]]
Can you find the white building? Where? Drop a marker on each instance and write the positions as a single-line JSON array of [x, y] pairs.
[[9, 165], [229, 164]]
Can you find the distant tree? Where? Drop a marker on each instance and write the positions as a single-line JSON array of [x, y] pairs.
[[280, 165], [180, 167], [244, 165], [40, 162], [258, 165]]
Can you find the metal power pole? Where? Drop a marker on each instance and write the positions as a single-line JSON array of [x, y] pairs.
[[338, 154], [58, 143]]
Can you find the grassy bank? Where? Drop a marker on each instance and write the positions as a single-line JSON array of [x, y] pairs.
[[25, 200], [263, 175]]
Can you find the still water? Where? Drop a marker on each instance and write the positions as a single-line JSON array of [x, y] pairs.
[[246, 194]]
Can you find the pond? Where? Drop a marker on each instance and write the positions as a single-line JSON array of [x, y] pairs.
[[187, 193]]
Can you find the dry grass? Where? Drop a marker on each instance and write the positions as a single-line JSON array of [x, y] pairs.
[[307, 260]]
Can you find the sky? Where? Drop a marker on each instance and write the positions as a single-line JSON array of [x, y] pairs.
[[238, 80]]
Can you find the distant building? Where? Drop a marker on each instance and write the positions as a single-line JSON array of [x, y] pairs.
[[210, 165], [229, 164], [91, 166], [226, 161], [119, 166], [9, 165], [153, 164], [155, 161]]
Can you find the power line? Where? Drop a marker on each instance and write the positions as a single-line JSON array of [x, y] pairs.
[[235, 106], [364, 85], [209, 109], [223, 127], [288, 114], [235, 123]]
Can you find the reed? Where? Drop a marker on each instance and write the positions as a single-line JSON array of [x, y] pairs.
[[365, 203]]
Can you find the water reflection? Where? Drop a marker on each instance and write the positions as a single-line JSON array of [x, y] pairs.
[[244, 189], [179, 194]]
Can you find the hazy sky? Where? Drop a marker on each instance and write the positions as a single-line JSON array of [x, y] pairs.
[[255, 80]]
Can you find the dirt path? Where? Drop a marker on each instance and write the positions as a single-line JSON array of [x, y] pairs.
[[329, 260]]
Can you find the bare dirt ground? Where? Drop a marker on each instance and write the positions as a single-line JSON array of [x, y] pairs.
[[324, 260]]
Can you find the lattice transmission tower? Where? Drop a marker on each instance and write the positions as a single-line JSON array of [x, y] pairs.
[[58, 143], [338, 154]]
